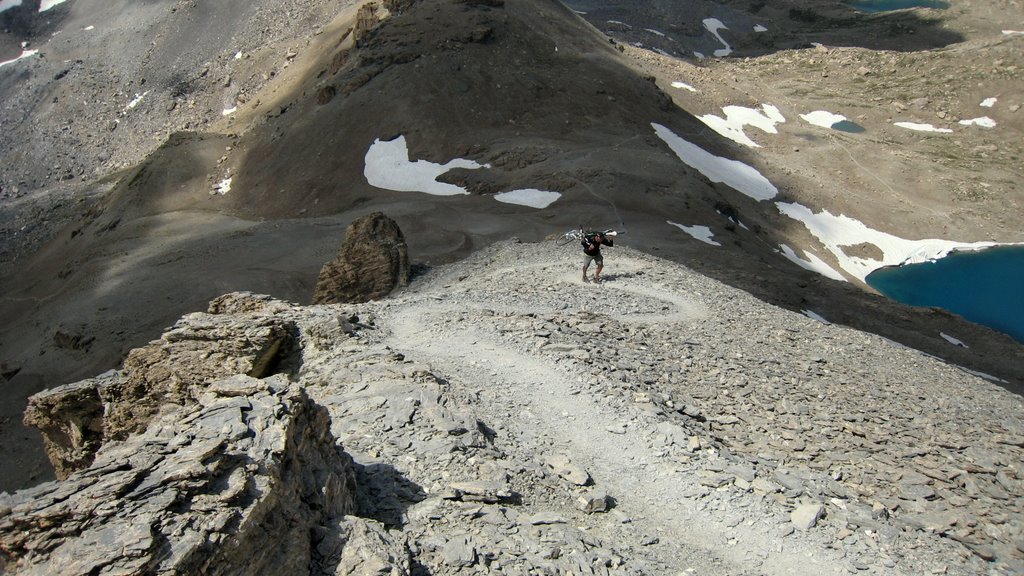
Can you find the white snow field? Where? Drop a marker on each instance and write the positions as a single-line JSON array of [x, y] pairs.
[[47, 4], [528, 197], [699, 232], [815, 316], [984, 122], [952, 340], [683, 86], [736, 117], [713, 25], [835, 232], [813, 263], [8, 4], [921, 127], [739, 176], [387, 166], [24, 54], [822, 118], [222, 187]]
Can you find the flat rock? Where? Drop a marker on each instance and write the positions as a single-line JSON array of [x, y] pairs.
[[806, 516]]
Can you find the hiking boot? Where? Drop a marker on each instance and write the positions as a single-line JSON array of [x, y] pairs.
[[585, 279]]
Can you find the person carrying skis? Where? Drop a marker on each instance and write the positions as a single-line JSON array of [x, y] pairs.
[[592, 242]]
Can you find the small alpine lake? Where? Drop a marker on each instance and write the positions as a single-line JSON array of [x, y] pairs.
[[986, 287], [890, 5]]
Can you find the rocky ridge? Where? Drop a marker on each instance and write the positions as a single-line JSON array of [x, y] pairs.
[[501, 417]]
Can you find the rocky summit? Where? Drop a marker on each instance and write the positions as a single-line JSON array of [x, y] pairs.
[[497, 416]]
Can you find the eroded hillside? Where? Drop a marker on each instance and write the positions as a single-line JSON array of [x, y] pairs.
[[224, 147]]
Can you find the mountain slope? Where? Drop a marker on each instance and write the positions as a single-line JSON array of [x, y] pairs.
[[503, 418], [255, 139]]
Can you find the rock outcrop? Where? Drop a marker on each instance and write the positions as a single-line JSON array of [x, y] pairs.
[[237, 337], [197, 350], [71, 420], [248, 479], [373, 260]]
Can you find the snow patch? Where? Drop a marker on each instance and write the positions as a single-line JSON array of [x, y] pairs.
[[813, 263], [736, 117], [528, 197], [89, 28], [47, 4], [702, 233], [655, 32], [387, 166], [952, 340], [135, 101], [814, 316], [988, 102], [741, 177], [713, 25], [921, 127], [984, 122], [683, 86], [1010, 32], [988, 377], [222, 187], [759, 28], [238, 55], [822, 118], [229, 111], [8, 4], [835, 232], [24, 54]]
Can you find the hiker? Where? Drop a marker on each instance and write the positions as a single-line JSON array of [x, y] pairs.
[[592, 242]]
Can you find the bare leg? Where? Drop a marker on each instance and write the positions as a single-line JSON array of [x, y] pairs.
[[597, 273], [585, 266]]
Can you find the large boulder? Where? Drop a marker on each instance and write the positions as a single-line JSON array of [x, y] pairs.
[[373, 260]]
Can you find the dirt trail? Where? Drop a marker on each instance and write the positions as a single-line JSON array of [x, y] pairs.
[[539, 407]]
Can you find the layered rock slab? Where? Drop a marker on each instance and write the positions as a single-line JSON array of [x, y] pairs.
[[248, 479], [240, 335]]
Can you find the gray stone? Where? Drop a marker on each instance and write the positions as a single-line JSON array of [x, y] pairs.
[[545, 517], [563, 467], [481, 491], [593, 501], [459, 552], [806, 516]]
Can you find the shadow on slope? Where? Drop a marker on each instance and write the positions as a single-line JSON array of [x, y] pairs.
[[679, 29]]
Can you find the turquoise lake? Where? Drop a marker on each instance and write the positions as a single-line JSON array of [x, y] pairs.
[[887, 5], [985, 287]]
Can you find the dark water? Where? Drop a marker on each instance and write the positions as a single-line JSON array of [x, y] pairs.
[[887, 5], [986, 287], [847, 126]]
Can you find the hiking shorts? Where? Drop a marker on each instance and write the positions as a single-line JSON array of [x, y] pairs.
[[587, 259]]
